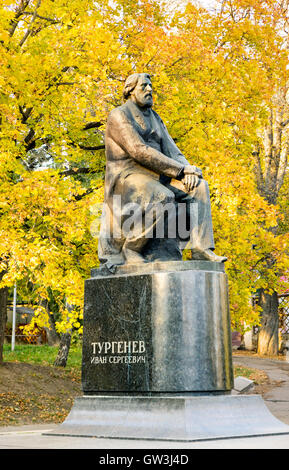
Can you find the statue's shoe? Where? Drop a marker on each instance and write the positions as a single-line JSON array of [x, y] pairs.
[[208, 255], [132, 257]]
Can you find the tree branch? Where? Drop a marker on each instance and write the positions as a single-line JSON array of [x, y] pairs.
[[78, 197], [65, 83], [25, 113], [29, 30], [259, 173], [58, 76], [282, 167], [87, 147], [51, 20], [269, 144], [284, 123], [77, 171], [92, 125], [24, 4], [29, 141]]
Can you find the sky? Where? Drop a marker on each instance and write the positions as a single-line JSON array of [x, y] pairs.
[[210, 4]]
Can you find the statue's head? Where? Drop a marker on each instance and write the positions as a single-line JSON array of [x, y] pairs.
[[138, 88]]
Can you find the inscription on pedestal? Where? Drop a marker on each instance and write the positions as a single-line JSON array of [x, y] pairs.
[[118, 352]]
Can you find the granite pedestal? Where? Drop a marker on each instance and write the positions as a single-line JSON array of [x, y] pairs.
[[157, 360], [164, 330]]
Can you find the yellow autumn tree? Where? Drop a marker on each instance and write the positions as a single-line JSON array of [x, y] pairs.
[[220, 81], [234, 86], [63, 65], [57, 62], [217, 78]]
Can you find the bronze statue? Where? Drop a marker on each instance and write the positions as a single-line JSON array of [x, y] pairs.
[[146, 169]]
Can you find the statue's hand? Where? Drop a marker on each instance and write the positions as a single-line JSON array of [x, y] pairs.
[[193, 170], [191, 177]]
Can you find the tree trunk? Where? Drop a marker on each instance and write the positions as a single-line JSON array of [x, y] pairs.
[[53, 337], [64, 346], [3, 318], [51, 334], [268, 335], [63, 351]]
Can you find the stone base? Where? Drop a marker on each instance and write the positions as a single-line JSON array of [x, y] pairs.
[[159, 328], [190, 418]]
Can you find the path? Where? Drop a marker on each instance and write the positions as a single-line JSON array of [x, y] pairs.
[[277, 399]]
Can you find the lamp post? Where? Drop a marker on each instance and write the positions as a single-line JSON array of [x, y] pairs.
[[14, 318]]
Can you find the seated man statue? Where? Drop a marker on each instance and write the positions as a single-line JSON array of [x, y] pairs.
[[145, 170]]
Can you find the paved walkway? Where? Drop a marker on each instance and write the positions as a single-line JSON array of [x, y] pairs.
[[23, 438], [277, 400]]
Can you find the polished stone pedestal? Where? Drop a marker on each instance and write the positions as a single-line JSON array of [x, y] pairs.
[[162, 328], [157, 361]]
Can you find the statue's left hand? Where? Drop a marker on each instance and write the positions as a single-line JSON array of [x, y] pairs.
[[190, 182], [191, 177]]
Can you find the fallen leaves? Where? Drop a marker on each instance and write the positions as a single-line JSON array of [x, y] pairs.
[[27, 408]]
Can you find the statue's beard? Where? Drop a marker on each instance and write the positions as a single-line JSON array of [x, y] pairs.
[[148, 102], [143, 102]]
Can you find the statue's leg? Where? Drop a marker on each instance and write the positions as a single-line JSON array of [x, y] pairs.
[[109, 240], [142, 195], [202, 238], [199, 219], [202, 228]]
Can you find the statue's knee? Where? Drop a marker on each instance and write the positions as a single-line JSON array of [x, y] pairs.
[[166, 197], [203, 186], [203, 182]]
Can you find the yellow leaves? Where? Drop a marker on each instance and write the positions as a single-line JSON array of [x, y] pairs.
[[214, 78], [39, 320], [4, 36], [69, 319]]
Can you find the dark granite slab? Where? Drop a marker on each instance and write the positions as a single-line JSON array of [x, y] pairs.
[[166, 331]]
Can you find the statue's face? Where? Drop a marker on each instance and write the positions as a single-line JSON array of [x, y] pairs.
[[142, 93]]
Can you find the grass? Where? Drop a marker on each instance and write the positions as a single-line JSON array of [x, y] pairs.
[[258, 376], [45, 355], [41, 354]]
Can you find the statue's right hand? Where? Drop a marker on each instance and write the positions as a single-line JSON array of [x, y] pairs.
[[190, 182], [193, 170], [191, 177]]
